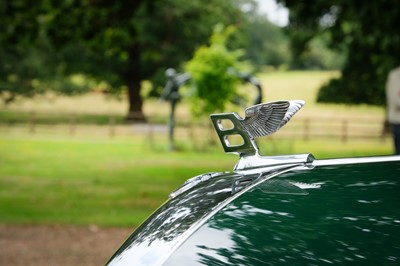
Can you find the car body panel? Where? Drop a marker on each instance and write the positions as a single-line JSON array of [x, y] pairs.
[[203, 209], [347, 215]]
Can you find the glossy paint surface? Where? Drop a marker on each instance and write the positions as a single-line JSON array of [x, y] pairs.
[[157, 236], [188, 208], [333, 214]]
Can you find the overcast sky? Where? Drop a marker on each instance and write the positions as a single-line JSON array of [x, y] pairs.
[[276, 13]]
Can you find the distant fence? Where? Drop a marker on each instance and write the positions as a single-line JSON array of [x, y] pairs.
[[344, 129], [302, 127]]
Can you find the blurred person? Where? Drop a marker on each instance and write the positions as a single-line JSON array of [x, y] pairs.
[[393, 105]]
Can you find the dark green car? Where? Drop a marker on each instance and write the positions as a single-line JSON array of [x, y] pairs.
[[281, 210]]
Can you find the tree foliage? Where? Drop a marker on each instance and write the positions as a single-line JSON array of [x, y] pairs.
[[266, 44], [215, 85], [367, 32], [121, 42], [263, 42], [24, 53]]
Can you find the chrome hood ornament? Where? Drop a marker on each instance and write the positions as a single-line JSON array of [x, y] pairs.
[[261, 120], [267, 118]]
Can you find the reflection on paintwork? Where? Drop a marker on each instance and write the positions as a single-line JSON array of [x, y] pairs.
[[172, 223], [151, 242], [276, 186], [220, 240], [247, 209], [367, 202], [353, 219], [376, 183]]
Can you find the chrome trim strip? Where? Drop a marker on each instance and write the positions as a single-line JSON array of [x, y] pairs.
[[374, 159], [255, 161]]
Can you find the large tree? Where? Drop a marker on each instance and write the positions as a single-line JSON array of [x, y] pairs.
[[121, 42], [367, 31]]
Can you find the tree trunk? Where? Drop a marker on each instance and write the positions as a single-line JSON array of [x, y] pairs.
[[135, 112]]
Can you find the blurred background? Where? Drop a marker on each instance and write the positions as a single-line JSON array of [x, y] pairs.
[[86, 151]]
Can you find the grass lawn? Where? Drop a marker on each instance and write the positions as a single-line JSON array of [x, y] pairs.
[[115, 182], [84, 181]]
